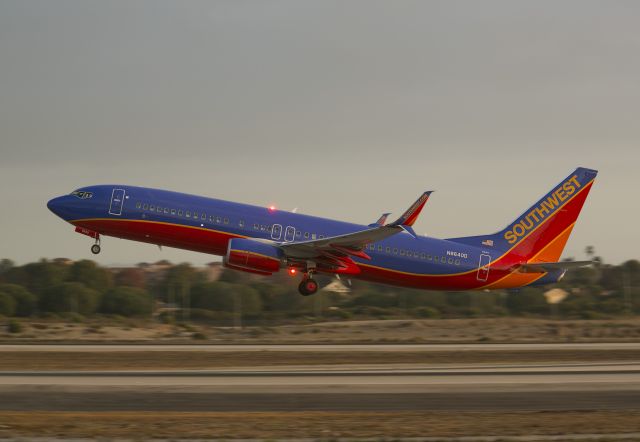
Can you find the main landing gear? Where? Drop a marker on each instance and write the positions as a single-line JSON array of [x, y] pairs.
[[308, 286]]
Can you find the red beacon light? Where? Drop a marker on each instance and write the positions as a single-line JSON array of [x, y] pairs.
[[272, 208], [292, 271]]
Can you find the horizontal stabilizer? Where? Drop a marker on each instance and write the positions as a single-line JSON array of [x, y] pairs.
[[543, 267]]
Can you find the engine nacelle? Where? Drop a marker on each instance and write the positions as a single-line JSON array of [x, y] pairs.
[[253, 256]]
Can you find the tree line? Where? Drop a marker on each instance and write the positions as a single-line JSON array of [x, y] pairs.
[[58, 288]]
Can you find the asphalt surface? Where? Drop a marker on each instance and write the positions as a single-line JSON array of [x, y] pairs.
[[507, 388]]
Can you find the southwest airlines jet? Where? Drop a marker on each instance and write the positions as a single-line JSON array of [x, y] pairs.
[[264, 240]]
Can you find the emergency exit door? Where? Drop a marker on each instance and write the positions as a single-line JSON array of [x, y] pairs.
[[483, 267]]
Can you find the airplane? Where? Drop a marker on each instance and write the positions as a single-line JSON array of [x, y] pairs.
[[265, 240]]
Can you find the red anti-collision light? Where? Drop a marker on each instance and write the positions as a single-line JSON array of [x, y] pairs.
[[292, 271]]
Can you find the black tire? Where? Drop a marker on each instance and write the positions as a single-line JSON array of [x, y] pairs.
[[95, 249], [308, 287]]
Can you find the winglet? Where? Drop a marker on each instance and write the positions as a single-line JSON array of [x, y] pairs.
[[411, 215], [381, 220]]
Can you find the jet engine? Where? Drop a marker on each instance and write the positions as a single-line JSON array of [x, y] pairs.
[[253, 256]]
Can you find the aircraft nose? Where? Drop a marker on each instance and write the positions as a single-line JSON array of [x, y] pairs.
[[58, 206]]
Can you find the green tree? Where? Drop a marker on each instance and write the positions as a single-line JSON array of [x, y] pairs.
[[37, 276], [224, 296], [26, 302], [126, 301], [91, 275], [7, 305], [70, 297], [374, 298], [131, 277], [527, 300], [177, 282]]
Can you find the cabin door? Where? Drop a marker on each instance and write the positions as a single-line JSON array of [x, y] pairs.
[[276, 232], [117, 200]]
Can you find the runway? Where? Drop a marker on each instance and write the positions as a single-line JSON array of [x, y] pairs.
[[508, 388]]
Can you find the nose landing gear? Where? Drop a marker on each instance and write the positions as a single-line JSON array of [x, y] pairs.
[[95, 249]]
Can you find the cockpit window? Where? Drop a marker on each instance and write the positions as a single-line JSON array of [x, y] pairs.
[[83, 195]]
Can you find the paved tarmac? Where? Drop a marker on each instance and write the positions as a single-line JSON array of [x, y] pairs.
[[549, 387]]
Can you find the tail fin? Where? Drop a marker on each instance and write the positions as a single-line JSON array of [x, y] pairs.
[[541, 232]]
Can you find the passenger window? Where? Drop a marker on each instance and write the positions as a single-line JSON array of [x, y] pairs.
[[152, 208], [379, 248], [457, 262], [188, 214], [166, 210], [306, 235], [218, 219], [256, 226], [395, 250], [241, 223], [145, 207], [203, 217], [298, 233], [450, 261], [423, 255], [388, 249], [226, 220], [320, 236], [313, 236], [195, 215], [428, 257], [402, 252], [436, 259], [138, 205], [179, 212], [262, 228], [173, 211], [443, 260]]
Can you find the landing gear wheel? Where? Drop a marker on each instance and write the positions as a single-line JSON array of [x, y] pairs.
[[95, 249], [308, 287]]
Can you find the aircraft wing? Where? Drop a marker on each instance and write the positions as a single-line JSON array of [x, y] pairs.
[[542, 267], [336, 250]]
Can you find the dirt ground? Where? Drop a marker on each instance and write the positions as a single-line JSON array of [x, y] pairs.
[[325, 425], [191, 360], [498, 330]]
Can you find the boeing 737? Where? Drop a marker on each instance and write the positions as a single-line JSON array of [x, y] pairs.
[[264, 240]]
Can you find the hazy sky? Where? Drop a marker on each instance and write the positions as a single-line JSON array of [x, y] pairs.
[[344, 109]]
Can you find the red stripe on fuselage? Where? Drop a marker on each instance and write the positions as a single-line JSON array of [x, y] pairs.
[[171, 235]]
